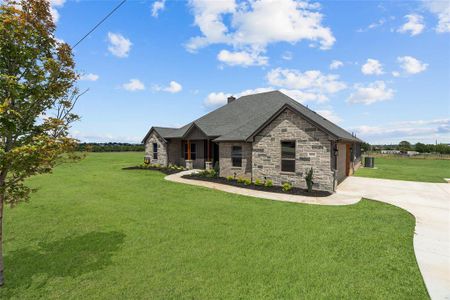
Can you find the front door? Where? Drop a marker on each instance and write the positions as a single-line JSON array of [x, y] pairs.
[[347, 160], [215, 156]]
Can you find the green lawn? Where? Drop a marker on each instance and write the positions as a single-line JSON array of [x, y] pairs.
[[96, 231], [426, 170]]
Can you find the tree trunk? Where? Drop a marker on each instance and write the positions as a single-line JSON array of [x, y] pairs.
[[2, 198], [2, 279]]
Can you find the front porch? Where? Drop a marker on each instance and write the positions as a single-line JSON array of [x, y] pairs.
[[193, 153]]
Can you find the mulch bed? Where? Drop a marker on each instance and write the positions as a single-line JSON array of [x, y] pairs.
[[273, 189], [166, 171]]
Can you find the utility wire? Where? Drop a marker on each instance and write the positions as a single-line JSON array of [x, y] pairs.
[[99, 23]]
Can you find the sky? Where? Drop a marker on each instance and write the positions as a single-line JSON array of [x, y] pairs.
[[379, 69]]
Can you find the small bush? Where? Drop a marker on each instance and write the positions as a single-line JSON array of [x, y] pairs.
[[230, 178], [211, 173], [240, 180], [247, 181], [309, 179], [258, 182], [286, 187], [269, 183]]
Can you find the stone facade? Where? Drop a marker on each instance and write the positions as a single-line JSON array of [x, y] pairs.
[[226, 168], [162, 149], [313, 149]]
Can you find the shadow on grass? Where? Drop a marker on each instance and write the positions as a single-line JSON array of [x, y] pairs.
[[68, 257]]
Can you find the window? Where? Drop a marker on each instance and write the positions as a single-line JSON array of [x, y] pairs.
[[288, 156], [155, 151], [236, 156], [193, 151]]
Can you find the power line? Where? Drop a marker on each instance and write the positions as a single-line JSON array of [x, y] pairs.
[[99, 23]]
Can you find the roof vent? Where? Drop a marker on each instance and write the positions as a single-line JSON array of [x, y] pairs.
[[231, 99]]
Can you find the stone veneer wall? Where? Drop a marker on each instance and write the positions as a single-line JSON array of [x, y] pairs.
[[174, 146], [226, 169], [162, 149], [313, 148]]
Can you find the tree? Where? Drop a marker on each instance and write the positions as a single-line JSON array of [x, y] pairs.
[[37, 95], [404, 146], [421, 148]]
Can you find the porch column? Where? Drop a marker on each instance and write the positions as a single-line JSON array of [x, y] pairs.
[[209, 149], [189, 162], [189, 149]]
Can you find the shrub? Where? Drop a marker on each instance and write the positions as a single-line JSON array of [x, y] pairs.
[[247, 181], [309, 179], [230, 178], [258, 182], [211, 173], [203, 173], [286, 187], [269, 183], [240, 180]]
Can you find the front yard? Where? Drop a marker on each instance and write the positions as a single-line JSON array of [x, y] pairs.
[[96, 231], [426, 170]]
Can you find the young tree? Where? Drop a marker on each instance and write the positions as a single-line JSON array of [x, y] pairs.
[[37, 95]]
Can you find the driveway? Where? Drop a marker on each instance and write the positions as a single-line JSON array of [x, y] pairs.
[[430, 204]]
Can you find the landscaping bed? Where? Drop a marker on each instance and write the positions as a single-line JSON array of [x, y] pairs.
[[166, 170], [259, 187]]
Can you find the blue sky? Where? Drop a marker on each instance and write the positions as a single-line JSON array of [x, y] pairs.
[[380, 69]]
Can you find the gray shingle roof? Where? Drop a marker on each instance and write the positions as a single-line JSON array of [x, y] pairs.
[[238, 120]]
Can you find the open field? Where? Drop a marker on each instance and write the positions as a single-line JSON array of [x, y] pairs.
[[426, 170], [96, 231]]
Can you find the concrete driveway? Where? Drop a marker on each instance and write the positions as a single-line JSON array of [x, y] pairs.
[[430, 204]]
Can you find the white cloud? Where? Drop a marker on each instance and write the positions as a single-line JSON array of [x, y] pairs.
[[57, 2], [309, 86], [118, 44], [330, 115], [55, 14], [372, 67], [173, 87], [336, 64], [374, 25], [134, 85], [255, 24], [221, 98], [411, 65], [157, 7], [395, 73], [89, 77], [374, 92], [414, 25], [53, 11], [242, 58], [287, 55], [312, 84], [420, 130], [441, 9]]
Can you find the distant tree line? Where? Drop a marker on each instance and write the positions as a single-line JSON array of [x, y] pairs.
[[405, 146], [110, 147]]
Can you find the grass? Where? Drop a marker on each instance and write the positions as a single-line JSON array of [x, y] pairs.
[[426, 170], [95, 231]]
